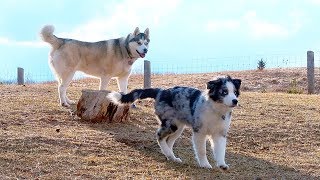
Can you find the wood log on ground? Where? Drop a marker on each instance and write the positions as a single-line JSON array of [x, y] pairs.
[[93, 106]]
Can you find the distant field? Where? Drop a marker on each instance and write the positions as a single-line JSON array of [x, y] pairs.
[[273, 134]]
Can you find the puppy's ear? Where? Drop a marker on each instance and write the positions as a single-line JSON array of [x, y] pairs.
[[213, 84], [237, 83], [136, 31], [146, 32]]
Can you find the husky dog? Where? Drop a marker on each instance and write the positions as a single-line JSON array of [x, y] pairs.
[[103, 59], [208, 113]]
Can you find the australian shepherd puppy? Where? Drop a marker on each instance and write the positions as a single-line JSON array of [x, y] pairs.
[[208, 113]]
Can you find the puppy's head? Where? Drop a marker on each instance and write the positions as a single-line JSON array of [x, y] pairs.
[[139, 43], [224, 90]]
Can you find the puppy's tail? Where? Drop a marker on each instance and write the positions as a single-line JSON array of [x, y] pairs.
[[129, 98], [46, 35]]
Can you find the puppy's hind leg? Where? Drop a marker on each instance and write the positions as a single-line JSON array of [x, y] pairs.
[[163, 134], [174, 136]]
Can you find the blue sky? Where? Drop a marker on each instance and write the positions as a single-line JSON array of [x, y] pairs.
[[179, 29]]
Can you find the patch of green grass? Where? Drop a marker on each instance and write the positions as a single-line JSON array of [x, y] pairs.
[[293, 88]]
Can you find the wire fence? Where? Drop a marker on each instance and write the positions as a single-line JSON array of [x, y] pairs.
[[172, 66], [236, 63]]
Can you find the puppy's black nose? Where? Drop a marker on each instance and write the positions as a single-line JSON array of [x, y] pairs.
[[235, 101], [145, 50]]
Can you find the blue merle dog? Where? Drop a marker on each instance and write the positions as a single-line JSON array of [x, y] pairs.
[[208, 113]]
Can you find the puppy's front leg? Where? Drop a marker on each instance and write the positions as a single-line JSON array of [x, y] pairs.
[[199, 145], [219, 151]]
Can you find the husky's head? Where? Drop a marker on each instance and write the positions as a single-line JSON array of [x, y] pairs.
[[224, 90], [139, 43]]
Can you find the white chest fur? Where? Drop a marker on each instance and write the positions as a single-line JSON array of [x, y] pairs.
[[216, 123]]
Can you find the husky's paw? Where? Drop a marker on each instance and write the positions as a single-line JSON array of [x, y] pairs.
[[65, 104], [205, 165], [178, 160], [133, 105], [223, 167], [70, 102]]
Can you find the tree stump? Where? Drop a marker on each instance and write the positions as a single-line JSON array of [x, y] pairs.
[[94, 106]]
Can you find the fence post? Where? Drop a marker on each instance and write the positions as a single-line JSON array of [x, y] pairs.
[[20, 76], [310, 71], [147, 74]]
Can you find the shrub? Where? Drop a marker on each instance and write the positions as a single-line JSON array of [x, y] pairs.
[[261, 64], [294, 89]]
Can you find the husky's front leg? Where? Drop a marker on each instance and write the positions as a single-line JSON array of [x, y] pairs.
[[104, 80], [123, 84], [219, 151]]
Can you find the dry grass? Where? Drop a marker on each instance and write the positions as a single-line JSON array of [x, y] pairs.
[[273, 135]]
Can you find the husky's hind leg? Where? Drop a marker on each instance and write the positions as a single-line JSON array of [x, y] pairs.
[[62, 67], [65, 80]]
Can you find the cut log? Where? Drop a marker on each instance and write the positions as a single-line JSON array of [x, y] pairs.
[[94, 106]]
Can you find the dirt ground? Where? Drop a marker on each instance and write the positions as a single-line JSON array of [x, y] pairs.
[[273, 134]]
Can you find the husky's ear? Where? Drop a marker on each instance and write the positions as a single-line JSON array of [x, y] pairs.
[[146, 32], [136, 31], [237, 83], [213, 84]]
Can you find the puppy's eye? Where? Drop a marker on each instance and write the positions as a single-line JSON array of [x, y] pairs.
[[236, 93], [139, 43], [224, 92], [146, 43]]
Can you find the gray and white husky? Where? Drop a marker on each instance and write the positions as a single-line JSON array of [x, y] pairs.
[[208, 113], [103, 59]]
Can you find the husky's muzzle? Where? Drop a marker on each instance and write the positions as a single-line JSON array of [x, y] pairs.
[[142, 55]]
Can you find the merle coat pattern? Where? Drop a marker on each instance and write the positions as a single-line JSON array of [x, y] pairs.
[[208, 113]]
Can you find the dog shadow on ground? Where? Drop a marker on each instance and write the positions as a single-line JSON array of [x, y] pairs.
[[143, 139]]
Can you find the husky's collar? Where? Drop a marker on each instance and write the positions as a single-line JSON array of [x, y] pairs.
[[126, 45]]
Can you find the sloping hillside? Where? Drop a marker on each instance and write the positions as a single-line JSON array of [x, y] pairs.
[[273, 135]]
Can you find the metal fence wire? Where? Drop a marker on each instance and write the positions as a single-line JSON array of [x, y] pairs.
[[173, 66]]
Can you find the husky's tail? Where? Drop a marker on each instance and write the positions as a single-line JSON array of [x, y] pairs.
[[129, 98], [46, 35]]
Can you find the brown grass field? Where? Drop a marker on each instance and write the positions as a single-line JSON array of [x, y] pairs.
[[273, 134]]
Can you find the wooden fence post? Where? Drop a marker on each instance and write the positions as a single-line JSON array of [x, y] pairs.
[[147, 74], [20, 76], [310, 71]]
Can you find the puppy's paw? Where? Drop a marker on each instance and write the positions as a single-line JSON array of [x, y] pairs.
[[223, 167], [175, 159], [205, 165]]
